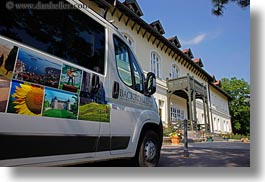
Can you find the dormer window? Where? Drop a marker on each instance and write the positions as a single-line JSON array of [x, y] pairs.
[[174, 40], [218, 83], [214, 79], [198, 61], [158, 27], [134, 7], [188, 53]]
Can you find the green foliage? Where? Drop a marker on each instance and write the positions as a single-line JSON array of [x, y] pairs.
[[219, 5], [46, 104], [239, 136], [167, 131], [74, 107], [239, 107], [170, 131], [56, 113], [95, 112]]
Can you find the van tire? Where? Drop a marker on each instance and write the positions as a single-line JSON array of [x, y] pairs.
[[148, 152]]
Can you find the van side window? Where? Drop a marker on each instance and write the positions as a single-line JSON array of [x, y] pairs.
[[123, 62], [69, 34], [138, 75], [128, 68]]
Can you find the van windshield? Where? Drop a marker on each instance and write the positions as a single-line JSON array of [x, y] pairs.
[[69, 34]]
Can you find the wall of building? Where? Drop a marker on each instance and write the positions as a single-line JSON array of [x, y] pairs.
[[221, 118], [143, 49]]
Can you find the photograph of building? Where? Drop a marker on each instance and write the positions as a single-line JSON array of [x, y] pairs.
[[60, 104]]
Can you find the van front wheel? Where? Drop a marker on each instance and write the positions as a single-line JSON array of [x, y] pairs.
[[148, 153]]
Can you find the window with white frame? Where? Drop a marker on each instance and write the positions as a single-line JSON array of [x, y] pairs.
[[181, 114], [215, 124], [155, 64], [174, 71], [202, 118], [173, 114], [176, 114], [218, 124], [225, 126]]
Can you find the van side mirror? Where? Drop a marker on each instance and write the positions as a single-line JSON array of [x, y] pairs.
[[150, 84]]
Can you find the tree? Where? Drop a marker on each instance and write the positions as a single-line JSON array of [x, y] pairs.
[[74, 106], [239, 107], [219, 5]]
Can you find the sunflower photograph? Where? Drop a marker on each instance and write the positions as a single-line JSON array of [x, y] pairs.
[[25, 99]]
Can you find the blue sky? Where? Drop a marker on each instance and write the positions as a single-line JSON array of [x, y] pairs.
[[61, 95], [223, 43]]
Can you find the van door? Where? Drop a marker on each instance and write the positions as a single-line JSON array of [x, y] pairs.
[[63, 64], [127, 96]]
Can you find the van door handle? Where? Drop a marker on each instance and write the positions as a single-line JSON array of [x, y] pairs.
[[115, 90]]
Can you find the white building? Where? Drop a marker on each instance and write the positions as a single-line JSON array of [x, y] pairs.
[[184, 89]]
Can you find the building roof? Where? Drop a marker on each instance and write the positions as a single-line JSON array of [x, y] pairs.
[[188, 53], [175, 41], [158, 27], [198, 61], [134, 6], [151, 30], [217, 83], [104, 3]]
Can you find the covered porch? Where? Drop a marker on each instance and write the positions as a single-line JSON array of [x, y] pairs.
[[190, 89]]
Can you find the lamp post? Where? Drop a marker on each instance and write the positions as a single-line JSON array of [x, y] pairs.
[[186, 150]]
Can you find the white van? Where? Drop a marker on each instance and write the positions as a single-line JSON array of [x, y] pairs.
[[71, 90]]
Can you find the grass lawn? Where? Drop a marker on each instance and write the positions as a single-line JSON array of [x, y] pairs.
[[94, 112], [56, 113]]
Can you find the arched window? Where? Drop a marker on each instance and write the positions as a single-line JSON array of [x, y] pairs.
[[227, 126], [215, 124], [202, 118], [219, 124], [155, 64], [174, 71]]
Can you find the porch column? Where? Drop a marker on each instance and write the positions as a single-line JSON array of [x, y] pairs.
[[168, 107], [208, 116], [194, 101], [189, 102], [204, 111]]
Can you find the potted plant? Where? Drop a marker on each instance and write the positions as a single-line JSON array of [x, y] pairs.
[[226, 136], [209, 138], [244, 140], [176, 137]]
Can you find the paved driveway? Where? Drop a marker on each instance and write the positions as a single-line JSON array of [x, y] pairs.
[[214, 154]]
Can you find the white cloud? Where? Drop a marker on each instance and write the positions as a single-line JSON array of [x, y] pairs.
[[196, 40]]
